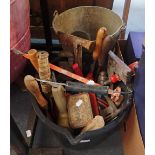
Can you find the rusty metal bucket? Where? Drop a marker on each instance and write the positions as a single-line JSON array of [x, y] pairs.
[[85, 21]]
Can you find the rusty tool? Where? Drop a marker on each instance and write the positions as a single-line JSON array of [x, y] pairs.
[[31, 55], [109, 112], [32, 85], [80, 87], [69, 41], [112, 112]]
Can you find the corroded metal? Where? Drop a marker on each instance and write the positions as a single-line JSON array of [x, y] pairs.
[[71, 41]]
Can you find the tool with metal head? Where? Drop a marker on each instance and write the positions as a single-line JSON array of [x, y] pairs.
[[108, 112], [111, 112], [80, 87], [69, 41]]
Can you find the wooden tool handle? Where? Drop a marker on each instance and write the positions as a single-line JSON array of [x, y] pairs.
[[32, 56], [44, 70], [32, 85], [106, 46], [60, 100], [101, 34], [59, 97], [71, 40]]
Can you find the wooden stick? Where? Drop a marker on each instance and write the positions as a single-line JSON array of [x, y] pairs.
[[44, 70], [32, 85]]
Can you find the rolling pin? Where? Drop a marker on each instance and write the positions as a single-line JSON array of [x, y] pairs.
[[33, 87], [60, 100]]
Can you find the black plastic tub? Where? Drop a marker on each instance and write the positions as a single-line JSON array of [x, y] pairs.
[[90, 138]]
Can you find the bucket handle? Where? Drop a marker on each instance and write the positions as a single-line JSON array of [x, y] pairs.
[[123, 27], [55, 13], [120, 29]]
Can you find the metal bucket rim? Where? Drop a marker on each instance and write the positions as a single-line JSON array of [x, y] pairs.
[[119, 29]]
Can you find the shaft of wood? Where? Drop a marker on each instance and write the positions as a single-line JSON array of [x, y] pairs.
[[106, 46], [33, 87], [60, 100], [44, 70]]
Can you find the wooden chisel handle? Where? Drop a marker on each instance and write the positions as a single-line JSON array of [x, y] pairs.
[[60, 101], [106, 47], [101, 34], [32, 85]]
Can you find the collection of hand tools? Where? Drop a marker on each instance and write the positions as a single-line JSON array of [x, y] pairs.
[[82, 104]]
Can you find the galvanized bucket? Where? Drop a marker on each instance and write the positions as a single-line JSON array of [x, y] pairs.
[[86, 20]]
